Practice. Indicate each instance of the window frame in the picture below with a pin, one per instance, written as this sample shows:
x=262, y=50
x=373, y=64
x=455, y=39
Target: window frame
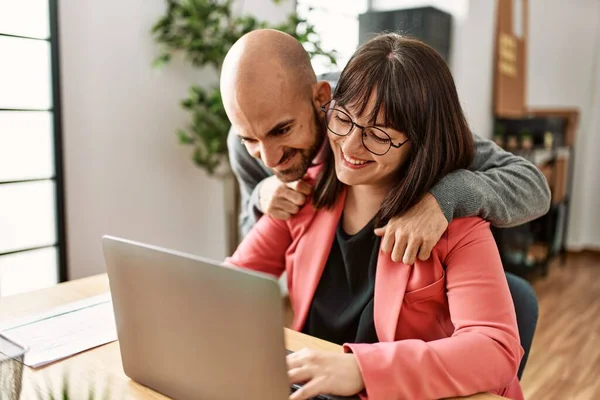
x=58, y=177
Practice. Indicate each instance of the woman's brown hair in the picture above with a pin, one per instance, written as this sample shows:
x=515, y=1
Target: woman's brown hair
x=416, y=95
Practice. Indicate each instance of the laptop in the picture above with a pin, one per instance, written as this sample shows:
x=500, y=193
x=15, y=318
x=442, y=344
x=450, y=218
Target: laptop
x=190, y=328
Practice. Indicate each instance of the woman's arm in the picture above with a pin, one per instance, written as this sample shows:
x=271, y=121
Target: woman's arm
x=264, y=247
x=483, y=353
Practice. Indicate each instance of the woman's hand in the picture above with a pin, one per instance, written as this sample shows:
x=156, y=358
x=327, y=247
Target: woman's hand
x=323, y=372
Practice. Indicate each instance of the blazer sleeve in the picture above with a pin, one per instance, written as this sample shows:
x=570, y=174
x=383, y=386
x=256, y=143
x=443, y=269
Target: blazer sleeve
x=484, y=351
x=264, y=248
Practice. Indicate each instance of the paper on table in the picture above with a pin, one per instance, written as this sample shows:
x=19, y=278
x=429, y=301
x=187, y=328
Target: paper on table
x=65, y=331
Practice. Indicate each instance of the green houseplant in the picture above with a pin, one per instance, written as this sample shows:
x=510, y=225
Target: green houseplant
x=203, y=31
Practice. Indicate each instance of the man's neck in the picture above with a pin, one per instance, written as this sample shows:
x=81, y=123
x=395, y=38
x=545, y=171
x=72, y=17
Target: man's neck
x=363, y=202
x=321, y=154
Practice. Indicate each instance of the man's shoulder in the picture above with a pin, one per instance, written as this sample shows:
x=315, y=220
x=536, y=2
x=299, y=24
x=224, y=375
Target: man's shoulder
x=466, y=230
x=466, y=224
x=460, y=232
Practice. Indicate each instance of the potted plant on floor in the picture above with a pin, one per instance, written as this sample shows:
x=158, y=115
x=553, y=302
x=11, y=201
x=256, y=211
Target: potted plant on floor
x=203, y=31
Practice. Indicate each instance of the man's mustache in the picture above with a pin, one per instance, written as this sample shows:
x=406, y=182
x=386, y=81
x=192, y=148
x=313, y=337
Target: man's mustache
x=287, y=155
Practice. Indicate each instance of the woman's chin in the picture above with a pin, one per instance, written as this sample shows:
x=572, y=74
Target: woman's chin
x=349, y=178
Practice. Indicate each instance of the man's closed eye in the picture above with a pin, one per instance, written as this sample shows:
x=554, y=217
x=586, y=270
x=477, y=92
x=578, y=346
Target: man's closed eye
x=282, y=131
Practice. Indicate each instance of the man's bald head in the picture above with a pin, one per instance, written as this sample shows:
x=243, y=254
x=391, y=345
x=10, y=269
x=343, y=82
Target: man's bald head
x=272, y=98
x=267, y=58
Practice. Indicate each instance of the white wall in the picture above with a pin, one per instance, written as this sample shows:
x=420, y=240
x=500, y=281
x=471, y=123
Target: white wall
x=472, y=62
x=471, y=53
x=588, y=186
x=125, y=173
x=564, y=71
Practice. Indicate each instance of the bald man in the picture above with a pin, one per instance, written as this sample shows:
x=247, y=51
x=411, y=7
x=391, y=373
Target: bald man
x=272, y=98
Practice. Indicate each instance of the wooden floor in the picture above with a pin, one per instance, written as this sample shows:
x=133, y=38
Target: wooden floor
x=565, y=356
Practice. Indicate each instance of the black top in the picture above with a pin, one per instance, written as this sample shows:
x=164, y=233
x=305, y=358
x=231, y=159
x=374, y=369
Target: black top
x=342, y=307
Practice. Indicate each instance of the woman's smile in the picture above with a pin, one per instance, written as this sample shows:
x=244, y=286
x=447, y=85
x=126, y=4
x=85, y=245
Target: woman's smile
x=353, y=162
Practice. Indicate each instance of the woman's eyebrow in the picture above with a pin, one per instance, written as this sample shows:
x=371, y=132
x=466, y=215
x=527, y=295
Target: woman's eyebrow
x=378, y=125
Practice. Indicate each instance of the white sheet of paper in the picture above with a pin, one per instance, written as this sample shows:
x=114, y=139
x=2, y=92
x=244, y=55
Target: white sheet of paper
x=65, y=331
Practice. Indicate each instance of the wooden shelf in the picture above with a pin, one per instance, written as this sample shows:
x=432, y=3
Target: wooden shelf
x=570, y=114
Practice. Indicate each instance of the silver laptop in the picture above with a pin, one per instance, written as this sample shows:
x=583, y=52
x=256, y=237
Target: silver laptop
x=190, y=328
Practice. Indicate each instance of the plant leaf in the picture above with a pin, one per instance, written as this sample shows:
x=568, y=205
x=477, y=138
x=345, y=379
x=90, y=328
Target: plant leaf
x=161, y=61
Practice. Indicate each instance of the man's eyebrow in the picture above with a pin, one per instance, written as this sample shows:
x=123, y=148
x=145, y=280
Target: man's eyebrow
x=241, y=137
x=273, y=131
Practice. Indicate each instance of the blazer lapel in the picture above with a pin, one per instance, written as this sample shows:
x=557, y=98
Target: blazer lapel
x=311, y=258
x=391, y=280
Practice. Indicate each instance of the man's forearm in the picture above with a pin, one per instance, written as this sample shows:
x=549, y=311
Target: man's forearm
x=250, y=211
x=249, y=174
x=505, y=189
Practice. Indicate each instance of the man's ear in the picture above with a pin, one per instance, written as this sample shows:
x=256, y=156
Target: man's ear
x=321, y=93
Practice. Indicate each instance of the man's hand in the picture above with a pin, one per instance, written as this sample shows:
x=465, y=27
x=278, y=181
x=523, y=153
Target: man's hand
x=324, y=372
x=282, y=200
x=414, y=233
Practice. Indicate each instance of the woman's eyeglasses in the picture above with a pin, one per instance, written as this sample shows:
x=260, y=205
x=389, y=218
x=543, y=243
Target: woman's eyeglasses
x=375, y=139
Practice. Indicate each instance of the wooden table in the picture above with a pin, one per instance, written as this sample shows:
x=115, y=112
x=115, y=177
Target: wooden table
x=101, y=368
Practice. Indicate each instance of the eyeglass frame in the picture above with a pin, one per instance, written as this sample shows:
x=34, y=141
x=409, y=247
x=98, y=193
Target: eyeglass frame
x=362, y=129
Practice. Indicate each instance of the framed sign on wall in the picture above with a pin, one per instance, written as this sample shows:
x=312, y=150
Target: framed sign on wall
x=510, y=58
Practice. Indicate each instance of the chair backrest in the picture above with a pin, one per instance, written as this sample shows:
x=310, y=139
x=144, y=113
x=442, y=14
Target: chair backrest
x=526, y=308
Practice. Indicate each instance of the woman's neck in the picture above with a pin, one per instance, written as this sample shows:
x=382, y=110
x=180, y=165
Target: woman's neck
x=363, y=202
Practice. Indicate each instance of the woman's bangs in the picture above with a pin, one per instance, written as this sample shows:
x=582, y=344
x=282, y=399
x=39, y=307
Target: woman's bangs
x=356, y=85
x=360, y=81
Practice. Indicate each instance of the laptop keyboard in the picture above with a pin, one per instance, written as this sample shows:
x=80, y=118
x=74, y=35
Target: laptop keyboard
x=319, y=397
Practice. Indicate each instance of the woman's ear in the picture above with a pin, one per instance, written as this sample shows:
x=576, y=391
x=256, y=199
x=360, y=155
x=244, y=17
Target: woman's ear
x=321, y=93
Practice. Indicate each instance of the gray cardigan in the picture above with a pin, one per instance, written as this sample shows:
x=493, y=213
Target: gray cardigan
x=500, y=187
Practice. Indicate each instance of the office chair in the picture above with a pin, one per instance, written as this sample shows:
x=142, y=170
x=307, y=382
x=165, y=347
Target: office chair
x=526, y=308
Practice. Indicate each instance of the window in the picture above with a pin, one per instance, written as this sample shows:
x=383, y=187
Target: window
x=336, y=22
x=32, y=235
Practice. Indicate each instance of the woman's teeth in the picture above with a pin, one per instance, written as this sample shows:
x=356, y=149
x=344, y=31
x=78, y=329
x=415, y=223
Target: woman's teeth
x=353, y=160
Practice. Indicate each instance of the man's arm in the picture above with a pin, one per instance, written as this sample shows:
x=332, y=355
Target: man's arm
x=500, y=187
x=249, y=173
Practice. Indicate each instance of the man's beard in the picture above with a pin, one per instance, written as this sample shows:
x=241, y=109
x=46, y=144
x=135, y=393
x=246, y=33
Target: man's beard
x=307, y=156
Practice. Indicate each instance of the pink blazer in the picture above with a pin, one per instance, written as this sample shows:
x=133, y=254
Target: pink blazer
x=446, y=326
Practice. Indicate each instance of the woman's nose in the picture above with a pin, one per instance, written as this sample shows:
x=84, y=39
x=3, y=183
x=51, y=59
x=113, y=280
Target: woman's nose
x=353, y=141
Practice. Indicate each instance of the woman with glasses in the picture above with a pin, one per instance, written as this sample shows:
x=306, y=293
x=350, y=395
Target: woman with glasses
x=440, y=328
